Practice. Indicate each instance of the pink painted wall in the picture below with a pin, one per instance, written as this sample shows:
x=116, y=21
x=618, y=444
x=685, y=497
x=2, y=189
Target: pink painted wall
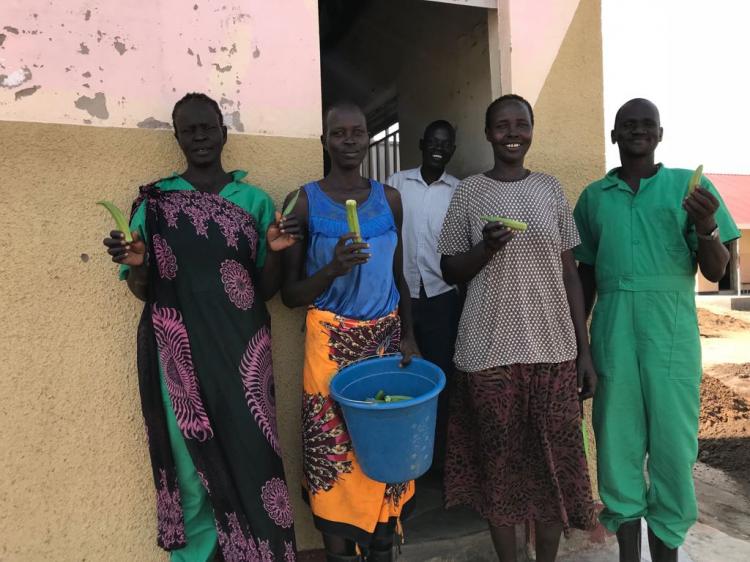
x=124, y=64
x=537, y=30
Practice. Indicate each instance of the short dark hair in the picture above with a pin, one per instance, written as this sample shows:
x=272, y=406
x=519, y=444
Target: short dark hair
x=440, y=124
x=504, y=99
x=340, y=104
x=636, y=101
x=197, y=96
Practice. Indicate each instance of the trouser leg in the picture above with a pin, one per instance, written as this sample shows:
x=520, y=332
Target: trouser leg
x=673, y=448
x=620, y=428
x=619, y=414
x=671, y=367
x=435, y=326
x=339, y=549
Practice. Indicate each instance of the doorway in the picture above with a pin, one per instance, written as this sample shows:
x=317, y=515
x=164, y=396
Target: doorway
x=411, y=62
x=408, y=63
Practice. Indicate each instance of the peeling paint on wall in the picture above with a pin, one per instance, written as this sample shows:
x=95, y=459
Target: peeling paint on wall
x=234, y=121
x=10, y=29
x=26, y=92
x=120, y=46
x=151, y=123
x=15, y=78
x=96, y=106
x=143, y=53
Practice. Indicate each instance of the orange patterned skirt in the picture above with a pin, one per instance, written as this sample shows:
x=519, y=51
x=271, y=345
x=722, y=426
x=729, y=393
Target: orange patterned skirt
x=344, y=501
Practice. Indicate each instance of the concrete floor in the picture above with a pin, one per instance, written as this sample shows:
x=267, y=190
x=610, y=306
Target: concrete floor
x=458, y=535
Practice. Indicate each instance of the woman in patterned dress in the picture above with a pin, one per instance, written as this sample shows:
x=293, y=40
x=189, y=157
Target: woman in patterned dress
x=359, y=307
x=205, y=257
x=515, y=448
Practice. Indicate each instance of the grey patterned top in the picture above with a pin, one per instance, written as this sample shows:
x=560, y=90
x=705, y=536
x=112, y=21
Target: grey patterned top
x=516, y=307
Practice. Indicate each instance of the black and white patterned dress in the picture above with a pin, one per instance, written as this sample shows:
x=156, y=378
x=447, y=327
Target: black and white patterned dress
x=515, y=451
x=516, y=307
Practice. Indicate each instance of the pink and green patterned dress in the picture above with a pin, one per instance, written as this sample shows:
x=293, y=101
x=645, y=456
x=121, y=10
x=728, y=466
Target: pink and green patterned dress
x=205, y=374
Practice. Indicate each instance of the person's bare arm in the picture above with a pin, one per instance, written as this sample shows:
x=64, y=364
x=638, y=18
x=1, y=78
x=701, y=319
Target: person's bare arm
x=297, y=288
x=573, y=289
x=132, y=254
x=713, y=257
x=409, y=346
x=462, y=268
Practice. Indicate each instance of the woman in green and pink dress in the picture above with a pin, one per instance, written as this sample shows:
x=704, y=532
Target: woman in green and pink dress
x=205, y=257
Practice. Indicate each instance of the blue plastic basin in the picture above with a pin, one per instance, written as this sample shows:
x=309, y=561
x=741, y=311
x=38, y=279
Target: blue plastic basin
x=393, y=441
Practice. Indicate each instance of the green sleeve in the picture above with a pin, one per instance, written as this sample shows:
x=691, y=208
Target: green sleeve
x=263, y=209
x=728, y=230
x=586, y=251
x=137, y=223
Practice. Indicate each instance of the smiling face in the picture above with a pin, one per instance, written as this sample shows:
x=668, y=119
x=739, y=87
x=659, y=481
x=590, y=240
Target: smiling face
x=199, y=132
x=510, y=131
x=345, y=137
x=437, y=146
x=637, y=129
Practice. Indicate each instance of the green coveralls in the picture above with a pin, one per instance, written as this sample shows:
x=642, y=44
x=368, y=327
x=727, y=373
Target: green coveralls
x=646, y=346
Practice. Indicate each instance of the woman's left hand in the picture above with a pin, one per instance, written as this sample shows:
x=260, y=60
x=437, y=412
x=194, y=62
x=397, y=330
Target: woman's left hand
x=409, y=349
x=283, y=233
x=587, y=376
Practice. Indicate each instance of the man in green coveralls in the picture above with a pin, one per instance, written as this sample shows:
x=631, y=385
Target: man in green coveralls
x=642, y=238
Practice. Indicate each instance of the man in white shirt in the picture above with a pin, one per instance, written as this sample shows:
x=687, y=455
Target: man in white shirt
x=425, y=194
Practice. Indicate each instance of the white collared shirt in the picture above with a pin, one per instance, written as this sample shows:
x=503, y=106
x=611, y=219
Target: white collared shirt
x=424, y=211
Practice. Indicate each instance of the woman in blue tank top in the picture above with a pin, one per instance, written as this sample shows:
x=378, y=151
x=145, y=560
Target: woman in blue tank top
x=359, y=306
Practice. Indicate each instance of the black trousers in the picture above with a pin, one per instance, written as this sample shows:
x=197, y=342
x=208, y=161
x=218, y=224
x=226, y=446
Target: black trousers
x=435, y=326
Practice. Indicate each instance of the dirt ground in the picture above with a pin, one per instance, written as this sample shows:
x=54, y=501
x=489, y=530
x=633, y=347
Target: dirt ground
x=724, y=435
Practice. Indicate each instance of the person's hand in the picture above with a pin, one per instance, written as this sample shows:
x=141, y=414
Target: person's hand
x=348, y=254
x=587, y=376
x=409, y=349
x=701, y=206
x=126, y=253
x=496, y=235
x=283, y=233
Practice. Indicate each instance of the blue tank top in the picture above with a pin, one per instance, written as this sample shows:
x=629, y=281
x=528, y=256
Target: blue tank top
x=368, y=291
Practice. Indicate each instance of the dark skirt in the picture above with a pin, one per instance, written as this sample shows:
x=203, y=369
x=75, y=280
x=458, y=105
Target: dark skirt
x=515, y=447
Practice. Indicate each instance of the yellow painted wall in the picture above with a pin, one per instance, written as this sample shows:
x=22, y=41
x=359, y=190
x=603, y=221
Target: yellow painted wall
x=569, y=120
x=569, y=112
x=75, y=481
